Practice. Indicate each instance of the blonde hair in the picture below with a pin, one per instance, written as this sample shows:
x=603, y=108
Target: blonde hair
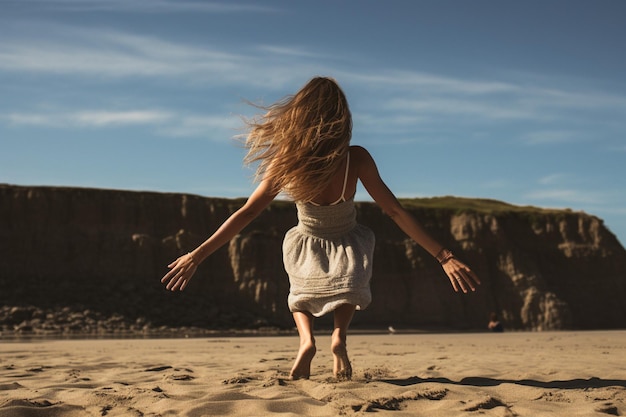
x=301, y=140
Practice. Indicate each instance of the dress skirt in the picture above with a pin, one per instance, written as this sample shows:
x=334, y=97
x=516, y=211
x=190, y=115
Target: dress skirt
x=328, y=258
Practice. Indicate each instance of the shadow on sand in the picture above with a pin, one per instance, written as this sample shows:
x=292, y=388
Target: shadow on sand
x=490, y=382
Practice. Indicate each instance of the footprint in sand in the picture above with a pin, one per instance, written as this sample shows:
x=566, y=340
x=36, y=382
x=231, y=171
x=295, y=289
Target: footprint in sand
x=487, y=404
x=174, y=377
x=74, y=376
x=608, y=408
x=18, y=407
x=377, y=373
x=237, y=380
x=26, y=404
x=181, y=377
x=11, y=386
x=158, y=368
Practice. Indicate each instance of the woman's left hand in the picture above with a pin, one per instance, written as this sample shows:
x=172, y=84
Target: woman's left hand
x=181, y=271
x=461, y=276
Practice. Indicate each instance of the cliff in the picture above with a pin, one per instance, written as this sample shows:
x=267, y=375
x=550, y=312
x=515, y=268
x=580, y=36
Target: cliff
x=91, y=260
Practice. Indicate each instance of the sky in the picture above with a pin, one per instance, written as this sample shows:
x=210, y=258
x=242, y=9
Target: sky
x=518, y=101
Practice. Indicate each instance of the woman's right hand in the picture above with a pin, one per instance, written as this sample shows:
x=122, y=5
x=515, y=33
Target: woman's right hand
x=181, y=271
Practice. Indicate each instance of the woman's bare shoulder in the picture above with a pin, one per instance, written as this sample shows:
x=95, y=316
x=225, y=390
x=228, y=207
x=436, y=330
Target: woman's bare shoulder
x=359, y=152
x=357, y=149
x=361, y=157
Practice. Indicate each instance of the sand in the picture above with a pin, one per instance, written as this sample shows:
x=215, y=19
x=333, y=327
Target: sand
x=480, y=374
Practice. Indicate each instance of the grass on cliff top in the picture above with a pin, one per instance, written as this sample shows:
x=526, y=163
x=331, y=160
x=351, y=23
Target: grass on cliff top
x=481, y=205
x=458, y=205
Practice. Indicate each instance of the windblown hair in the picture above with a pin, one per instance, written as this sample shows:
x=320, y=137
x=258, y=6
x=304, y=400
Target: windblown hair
x=302, y=139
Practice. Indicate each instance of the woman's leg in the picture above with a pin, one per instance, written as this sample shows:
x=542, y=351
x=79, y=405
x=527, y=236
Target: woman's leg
x=341, y=363
x=302, y=366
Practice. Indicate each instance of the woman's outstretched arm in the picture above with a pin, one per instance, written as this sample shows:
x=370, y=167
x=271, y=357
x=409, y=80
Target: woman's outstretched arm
x=183, y=268
x=461, y=276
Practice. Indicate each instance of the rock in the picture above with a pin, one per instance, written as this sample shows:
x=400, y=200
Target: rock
x=91, y=260
x=19, y=314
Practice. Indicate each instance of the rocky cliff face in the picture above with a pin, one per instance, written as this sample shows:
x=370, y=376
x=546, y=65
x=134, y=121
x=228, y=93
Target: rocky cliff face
x=102, y=253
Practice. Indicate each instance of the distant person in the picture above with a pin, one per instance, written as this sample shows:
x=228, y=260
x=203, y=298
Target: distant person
x=302, y=145
x=494, y=324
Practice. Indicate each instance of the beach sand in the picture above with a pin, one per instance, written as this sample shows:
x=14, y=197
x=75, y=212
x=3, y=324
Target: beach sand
x=482, y=374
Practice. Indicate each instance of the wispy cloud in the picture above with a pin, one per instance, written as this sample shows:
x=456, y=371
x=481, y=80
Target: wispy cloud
x=432, y=82
x=201, y=126
x=116, y=54
x=112, y=53
x=565, y=196
x=459, y=107
x=109, y=53
x=547, y=137
x=96, y=118
x=568, y=188
x=143, y=6
x=289, y=51
x=113, y=118
x=552, y=179
x=499, y=183
x=420, y=100
x=22, y=119
x=166, y=123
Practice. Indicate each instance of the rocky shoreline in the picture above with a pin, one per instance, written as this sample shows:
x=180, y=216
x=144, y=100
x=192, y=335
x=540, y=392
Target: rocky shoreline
x=31, y=321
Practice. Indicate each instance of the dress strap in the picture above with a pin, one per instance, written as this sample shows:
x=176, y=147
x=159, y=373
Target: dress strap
x=345, y=180
x=342, y=198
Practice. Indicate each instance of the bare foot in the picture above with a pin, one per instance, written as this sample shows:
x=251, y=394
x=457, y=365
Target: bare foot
x=302, y=366
x=341, y=363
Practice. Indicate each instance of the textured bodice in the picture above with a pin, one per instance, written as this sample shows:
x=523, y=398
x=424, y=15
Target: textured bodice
x=328, y=222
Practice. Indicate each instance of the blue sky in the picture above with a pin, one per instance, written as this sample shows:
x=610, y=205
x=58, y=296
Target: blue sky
x=519, y=101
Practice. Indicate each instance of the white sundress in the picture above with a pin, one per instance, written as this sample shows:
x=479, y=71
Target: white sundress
x=328, y=257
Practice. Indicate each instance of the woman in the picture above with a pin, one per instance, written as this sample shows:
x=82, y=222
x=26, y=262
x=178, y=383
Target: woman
x=302, y=146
